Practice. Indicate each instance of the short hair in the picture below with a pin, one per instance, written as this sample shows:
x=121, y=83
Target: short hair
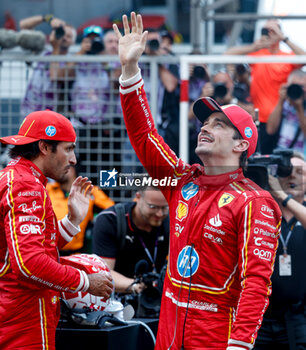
x=299, y=155
x=143, y=189
x=31, y=150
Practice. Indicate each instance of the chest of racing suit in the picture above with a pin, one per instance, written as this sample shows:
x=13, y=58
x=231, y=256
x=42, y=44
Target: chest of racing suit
x=29, y=239
x=223, y=239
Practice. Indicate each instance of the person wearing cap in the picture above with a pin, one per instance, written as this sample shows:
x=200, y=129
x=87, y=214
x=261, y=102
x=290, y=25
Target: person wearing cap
x=223, y=227
x=31, y=278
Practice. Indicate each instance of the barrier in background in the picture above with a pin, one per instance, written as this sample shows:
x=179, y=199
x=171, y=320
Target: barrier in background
x=103, y=145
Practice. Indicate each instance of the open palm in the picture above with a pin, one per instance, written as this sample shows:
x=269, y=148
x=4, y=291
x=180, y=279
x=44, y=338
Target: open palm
x=132, y=43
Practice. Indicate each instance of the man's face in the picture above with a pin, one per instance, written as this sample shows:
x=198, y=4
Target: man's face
x=153, y=207
x=216, y=137
x=111, y=43
x=57, y=164
x=295, y=184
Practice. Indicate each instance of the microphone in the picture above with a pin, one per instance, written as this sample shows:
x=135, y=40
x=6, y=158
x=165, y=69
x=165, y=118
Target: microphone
x=33, y=40
x=8, y=38
x=141, y=267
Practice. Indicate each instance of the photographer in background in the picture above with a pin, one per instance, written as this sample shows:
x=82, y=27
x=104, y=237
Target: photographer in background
x=242, y=83
x=268, y=77
x=50, y=83
x=168, y=89
x=284, y=323
x=288, y=116
x=146, y=237
x=91, y=83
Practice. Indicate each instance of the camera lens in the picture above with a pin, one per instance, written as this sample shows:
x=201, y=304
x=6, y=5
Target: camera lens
x=96, y=46
x=241, y=92
x=295, y=91
x=265, y=31
x=220, y=90
x=153, y=44
x=59, y=32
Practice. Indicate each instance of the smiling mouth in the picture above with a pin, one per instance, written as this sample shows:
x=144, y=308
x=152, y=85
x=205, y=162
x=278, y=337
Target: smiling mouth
x=205, y=139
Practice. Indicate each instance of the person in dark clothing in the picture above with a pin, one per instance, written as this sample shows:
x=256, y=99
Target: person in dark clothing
x=146, y=238
x=284, y=323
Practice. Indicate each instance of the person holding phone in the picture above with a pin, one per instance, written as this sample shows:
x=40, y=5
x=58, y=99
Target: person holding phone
x=268, y=77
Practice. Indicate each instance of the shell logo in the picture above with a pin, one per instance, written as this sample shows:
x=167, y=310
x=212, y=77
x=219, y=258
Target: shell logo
x=181, y=211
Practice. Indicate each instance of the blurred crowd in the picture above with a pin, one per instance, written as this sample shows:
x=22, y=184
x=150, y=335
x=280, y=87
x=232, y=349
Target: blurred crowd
x=87, y=92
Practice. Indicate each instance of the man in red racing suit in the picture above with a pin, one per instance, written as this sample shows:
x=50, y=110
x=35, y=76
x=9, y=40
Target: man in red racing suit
x=223, y=227
x=31, y=277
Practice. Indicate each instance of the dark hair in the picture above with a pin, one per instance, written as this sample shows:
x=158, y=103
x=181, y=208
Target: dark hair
x=31, y=150
x=244, y=155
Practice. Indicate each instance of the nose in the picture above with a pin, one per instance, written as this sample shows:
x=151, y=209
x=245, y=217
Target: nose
x=204, y=128
x=159, y=212
x=72, y=159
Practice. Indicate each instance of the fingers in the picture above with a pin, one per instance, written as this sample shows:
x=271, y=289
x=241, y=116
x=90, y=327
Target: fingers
x=126, y=27
x=139, y=24
x=144, y=38
x=117, y=31
x=83, y=185
x=134, y=22
x=100, y=285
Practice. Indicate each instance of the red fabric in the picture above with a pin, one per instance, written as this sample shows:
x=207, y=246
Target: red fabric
x=30, y=275
x=266, y=81
x=42, y=125
x=225, y=219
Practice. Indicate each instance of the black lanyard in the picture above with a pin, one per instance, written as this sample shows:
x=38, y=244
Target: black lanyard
x=286, y=241
x=153, y=260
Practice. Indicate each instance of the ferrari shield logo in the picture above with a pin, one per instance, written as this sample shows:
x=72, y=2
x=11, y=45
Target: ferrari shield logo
x=225, y=199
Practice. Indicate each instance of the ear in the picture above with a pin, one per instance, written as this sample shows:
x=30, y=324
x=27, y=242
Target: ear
x=241, y=146
x=137, y=196
x=43, y=147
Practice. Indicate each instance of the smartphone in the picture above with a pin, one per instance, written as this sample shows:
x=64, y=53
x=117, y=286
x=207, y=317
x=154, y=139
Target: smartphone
x=265, y=31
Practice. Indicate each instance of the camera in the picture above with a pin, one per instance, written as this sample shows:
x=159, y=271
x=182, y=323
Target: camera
x=265, y=31
x=153, y=45
x=295, y=91
x=259, y=165
x=199, y=72
x=220, y=90
x=97, y=46
x=59, y=32
x=241, y=92
x=147, y=303
x=149, y=299
x=241, y=69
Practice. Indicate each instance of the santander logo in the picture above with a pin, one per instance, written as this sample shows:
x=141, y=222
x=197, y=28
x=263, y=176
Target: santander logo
x=216, y=221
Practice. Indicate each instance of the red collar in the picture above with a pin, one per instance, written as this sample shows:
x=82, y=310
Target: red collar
x=31, y=167
x=219, y=180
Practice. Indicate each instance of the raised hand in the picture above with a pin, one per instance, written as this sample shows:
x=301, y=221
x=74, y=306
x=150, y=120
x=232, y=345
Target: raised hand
x=131, y=44
x=78, y=200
